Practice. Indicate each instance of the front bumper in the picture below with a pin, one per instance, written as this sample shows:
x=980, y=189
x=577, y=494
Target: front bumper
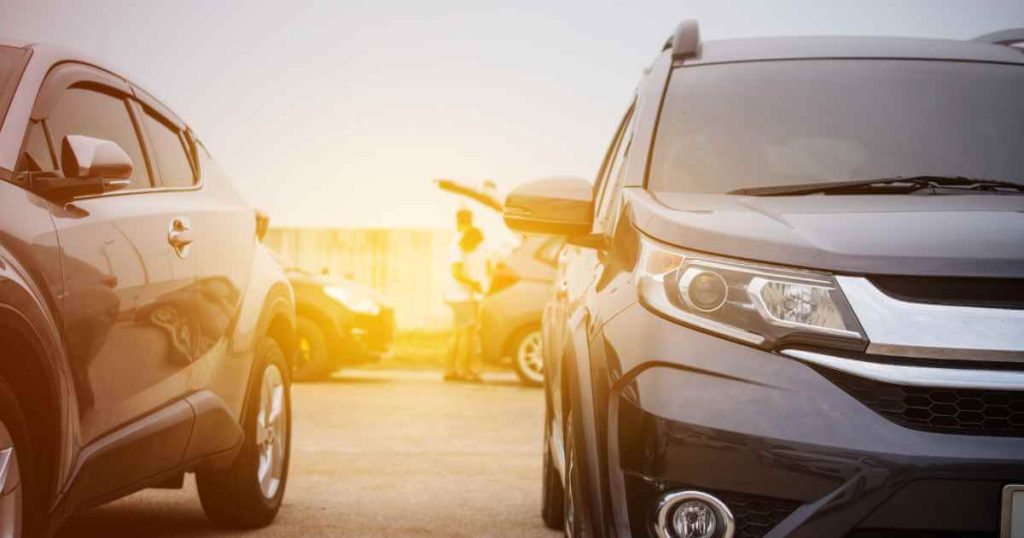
x=791, y=452
x=364, y=338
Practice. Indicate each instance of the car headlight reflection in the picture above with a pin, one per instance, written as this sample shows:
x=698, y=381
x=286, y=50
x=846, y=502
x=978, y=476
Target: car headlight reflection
x=758, y=304
x=353, y=300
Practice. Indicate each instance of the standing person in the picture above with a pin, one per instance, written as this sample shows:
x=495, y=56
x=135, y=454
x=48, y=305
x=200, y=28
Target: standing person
x=466, y=285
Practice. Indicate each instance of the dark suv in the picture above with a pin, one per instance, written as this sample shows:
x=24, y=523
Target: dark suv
x=145, y=331
x=794, y=299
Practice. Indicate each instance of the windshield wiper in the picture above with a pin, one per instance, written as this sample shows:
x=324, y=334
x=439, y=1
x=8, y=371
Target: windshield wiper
x=891, y=185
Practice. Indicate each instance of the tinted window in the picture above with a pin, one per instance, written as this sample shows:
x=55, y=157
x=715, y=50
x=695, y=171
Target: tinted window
x=12, y=62
x=171, y=157
x=95, y=114
x=36, y=155
x=764, y=124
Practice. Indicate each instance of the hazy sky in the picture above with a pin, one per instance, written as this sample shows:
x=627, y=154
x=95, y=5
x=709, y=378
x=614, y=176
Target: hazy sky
x=338, y=113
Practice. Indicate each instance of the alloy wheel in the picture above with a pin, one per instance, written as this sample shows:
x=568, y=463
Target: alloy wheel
x=11, y=491
x=530, y=357
x=271, y=432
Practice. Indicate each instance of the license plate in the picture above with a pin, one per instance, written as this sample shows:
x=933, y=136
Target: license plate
x=1013, y=512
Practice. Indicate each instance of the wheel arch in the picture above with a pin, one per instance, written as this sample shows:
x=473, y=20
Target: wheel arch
x=322, y=320
x=508, y=348
x=278, y=320
x=580, y=377
x=35, y=368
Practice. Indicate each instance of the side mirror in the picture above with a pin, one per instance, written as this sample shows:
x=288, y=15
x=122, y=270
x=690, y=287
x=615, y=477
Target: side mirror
x=88, y=157
x=91, y=166
x=553, y=206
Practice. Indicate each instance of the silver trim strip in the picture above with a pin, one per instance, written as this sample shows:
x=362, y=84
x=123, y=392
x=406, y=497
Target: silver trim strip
x=915, y=376
x=906, y=329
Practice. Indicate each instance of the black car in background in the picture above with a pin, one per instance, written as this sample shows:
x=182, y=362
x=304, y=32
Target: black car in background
x=794, y=298
x=340, y=323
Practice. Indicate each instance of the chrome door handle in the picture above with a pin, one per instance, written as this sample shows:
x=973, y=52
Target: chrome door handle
x=179, y=235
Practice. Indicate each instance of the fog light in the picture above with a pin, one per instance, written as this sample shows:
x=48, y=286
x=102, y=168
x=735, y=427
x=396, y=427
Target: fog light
x=694, y=519
x=693, y=514
x=704, y=290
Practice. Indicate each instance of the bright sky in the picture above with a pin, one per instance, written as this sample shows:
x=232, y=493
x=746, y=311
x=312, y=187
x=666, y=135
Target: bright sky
x=338, y=113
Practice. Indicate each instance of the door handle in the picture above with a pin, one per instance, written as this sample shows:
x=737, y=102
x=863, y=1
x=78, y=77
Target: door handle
x=179, y=235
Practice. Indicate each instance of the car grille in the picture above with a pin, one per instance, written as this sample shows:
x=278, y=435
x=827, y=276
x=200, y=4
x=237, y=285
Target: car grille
x=981, y=292
x=961, y=411
x=756, y=515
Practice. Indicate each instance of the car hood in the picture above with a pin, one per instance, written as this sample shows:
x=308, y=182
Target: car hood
x=927, y=235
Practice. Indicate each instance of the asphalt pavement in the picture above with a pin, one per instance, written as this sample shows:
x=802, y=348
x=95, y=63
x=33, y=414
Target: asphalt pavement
x=380, y=453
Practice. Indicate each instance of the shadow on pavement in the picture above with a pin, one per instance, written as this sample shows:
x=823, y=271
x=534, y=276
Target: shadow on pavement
x=382, y=377
x=158, y=521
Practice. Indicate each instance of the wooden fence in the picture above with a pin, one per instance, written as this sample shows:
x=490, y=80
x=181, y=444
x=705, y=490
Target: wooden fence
x=408, y=265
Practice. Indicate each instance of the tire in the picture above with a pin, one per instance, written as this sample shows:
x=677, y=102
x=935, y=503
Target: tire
x=312, y=361
x=552, y=509
x=19, y=498
x=246, y=495
x=528, y=357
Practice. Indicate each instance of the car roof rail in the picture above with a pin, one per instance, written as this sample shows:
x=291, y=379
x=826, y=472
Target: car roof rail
x=1013, y=37
x=685, y=42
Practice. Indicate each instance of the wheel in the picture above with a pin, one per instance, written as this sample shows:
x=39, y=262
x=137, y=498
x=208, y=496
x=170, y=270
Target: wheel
x=248, y=494
x=552, y=508
x=311, y=362
x=15, y=454
x=529, y=357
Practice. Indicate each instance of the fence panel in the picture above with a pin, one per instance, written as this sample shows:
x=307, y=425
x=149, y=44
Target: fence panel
x=408, y=265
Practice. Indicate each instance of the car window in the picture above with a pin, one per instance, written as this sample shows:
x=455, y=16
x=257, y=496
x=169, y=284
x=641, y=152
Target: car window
x=607, y=204
x=12, y=62
x=171, y=154
x=602, y=175
x=35, y=157
x=763, y=124
x=87, y=112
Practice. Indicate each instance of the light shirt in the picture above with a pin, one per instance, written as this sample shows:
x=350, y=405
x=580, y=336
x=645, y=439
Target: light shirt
x=474, y=266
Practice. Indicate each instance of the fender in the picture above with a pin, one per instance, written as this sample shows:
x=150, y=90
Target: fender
x=269, y=287
x=25, y=312
x=580, y=394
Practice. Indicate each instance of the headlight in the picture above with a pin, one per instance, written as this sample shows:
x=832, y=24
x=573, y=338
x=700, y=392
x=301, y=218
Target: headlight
x=761, y=305
x=353, y=300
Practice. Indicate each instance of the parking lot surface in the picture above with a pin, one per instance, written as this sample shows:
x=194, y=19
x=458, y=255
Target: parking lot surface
x=380, y=453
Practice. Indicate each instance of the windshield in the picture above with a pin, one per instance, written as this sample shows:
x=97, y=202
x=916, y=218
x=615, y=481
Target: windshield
x=12, y=62
x=743, y=125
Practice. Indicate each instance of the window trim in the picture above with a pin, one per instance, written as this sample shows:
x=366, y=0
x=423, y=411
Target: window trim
x=67, y=75
x=16, y=174
x=625, y=135
x=609, y=155
x=126, y=101
x=139, y=109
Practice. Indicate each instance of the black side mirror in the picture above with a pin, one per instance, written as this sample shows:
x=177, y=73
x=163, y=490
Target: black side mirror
x=91, y=166
x=553, y=206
